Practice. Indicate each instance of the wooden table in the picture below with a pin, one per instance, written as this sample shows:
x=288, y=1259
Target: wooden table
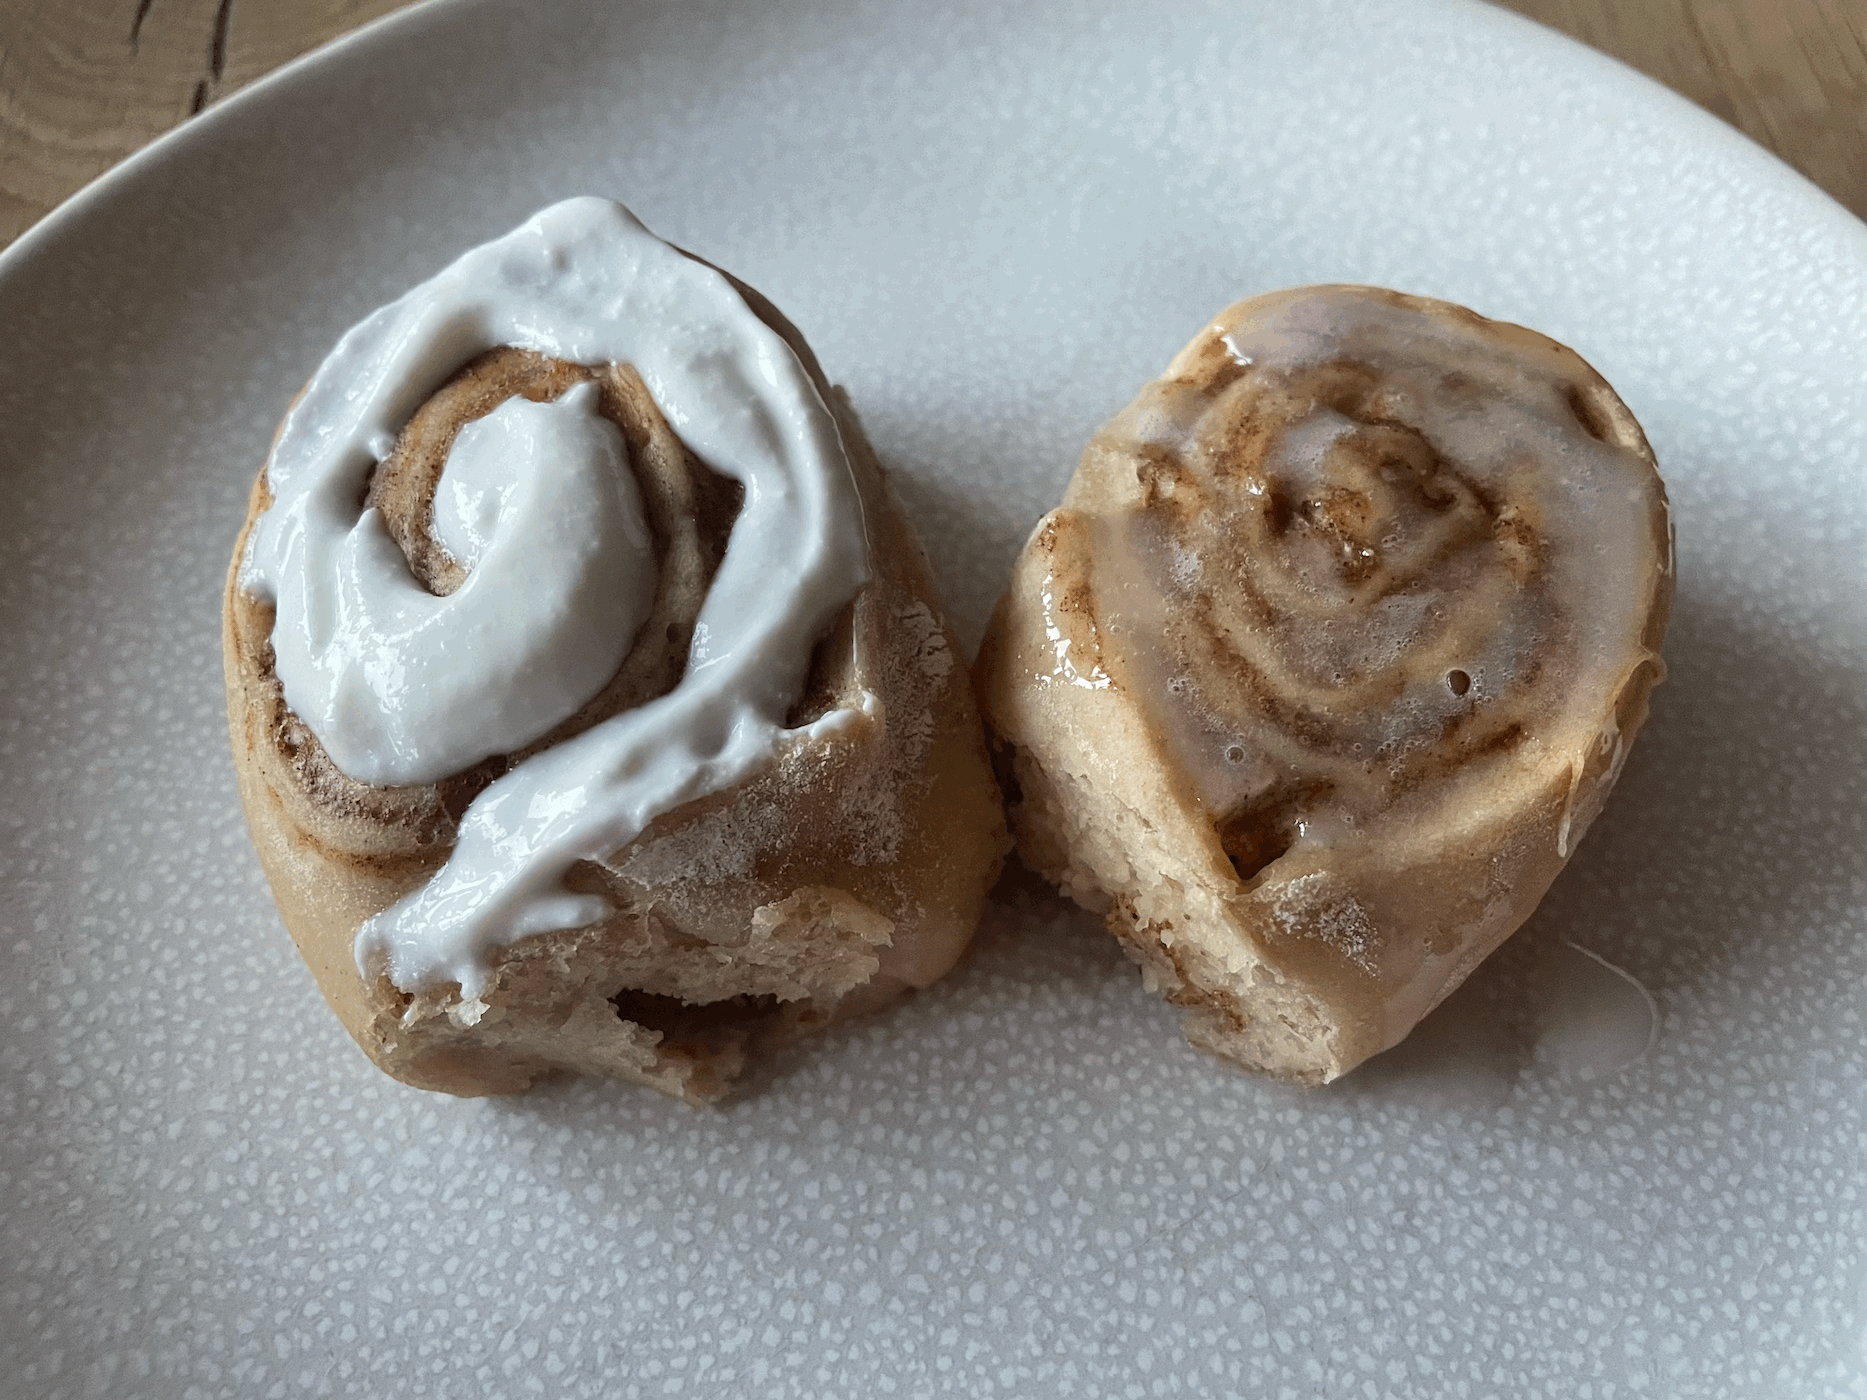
x=83, y=83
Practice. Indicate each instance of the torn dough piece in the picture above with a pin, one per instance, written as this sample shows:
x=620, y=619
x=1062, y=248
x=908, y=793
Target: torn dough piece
x=1328, y=659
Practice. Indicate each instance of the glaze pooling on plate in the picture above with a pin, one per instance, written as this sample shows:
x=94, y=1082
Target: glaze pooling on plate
x=405, y=688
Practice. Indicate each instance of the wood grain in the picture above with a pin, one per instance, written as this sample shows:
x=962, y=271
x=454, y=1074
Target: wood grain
x=1789, y=74
x=83, y=83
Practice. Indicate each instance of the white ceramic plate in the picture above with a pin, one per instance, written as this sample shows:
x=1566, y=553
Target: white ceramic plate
x=994, y=223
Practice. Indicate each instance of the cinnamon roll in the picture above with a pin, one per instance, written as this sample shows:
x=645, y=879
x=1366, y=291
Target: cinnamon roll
x=1328, y=659
x=591, y=701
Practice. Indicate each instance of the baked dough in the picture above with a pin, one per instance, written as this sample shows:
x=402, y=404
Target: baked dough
x=852, y=870
x=1328, y=659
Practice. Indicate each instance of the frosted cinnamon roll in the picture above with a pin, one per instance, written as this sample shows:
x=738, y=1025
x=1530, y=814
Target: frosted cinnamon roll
x=591, y=701
x=1328, y=659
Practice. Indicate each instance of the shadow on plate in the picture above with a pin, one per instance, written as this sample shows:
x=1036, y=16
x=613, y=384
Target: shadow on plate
x=1736, y=824
x=1735, y=832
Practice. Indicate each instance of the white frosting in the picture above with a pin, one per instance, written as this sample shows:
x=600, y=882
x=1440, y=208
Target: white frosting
x=358, y=648
x=406, y=687
x=530, y=474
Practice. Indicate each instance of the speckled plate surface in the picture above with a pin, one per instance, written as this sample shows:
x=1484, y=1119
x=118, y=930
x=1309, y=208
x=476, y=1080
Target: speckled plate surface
x=994, y=223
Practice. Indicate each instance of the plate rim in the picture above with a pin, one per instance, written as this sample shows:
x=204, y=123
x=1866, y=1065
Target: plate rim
x=41, y=239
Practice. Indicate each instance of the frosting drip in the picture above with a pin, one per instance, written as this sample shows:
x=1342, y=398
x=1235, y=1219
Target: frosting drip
x=584, y=282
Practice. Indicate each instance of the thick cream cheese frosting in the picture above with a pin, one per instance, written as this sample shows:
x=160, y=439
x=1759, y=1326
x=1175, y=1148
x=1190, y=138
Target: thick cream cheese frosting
x=403, y=687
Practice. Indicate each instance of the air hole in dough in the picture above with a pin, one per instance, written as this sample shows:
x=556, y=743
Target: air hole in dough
x=679, y=1020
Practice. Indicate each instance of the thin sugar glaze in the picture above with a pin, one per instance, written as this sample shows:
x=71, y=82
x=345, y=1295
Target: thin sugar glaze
x=1363, y=557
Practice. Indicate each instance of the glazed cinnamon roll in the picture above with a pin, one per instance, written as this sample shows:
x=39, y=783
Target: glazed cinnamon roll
x=1328, y=659
x=591, y=701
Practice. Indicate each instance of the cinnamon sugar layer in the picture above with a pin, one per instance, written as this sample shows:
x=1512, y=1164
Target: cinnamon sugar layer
x=1374, y=546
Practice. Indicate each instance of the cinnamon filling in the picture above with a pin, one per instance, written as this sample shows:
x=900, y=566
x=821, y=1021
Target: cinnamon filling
x=1359, y=550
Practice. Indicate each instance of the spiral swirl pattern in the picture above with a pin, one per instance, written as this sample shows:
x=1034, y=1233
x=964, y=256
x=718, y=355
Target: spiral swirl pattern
x=584, y=283
x=1376, y=545
x=1330, y=655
